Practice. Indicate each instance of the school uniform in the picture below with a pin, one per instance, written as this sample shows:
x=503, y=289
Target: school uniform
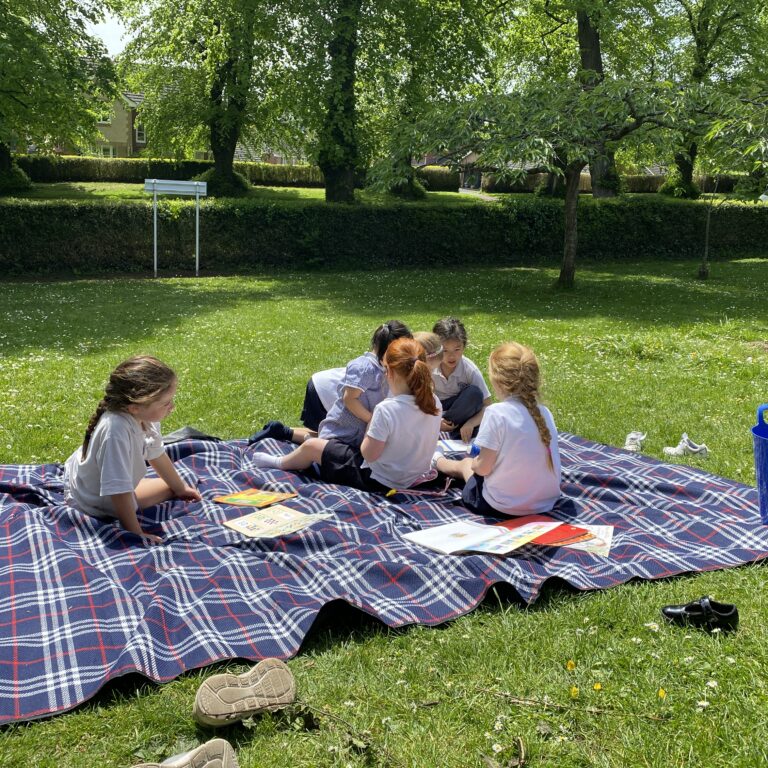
x=521, y=481
x=115, y=463
x=462, y=393
x=321, y=393
x=410, y=436
x=365, y=373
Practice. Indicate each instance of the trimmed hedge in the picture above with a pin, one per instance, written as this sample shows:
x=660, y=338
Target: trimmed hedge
x=638, y=183
x=133, y=170
x=438, y=178
x=94, y=237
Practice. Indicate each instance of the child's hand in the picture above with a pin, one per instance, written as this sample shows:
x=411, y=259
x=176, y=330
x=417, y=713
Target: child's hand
x=446, y=426
x=188, y=493
x=466, y=432
x=150, y=538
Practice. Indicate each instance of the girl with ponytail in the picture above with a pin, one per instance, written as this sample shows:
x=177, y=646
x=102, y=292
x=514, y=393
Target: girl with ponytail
x=517, y=471
x=401, y=437
x=105, y=476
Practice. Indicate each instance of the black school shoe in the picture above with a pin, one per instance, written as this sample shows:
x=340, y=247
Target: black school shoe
x=703, y=613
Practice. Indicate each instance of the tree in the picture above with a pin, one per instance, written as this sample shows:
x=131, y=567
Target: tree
x=53, y=75
x=210, y=71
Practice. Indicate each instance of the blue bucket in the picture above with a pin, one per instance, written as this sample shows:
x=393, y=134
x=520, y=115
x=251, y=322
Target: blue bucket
x=760, y=436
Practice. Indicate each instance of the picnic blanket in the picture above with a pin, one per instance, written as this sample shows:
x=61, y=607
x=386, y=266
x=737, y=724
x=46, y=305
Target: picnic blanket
x=83, y=601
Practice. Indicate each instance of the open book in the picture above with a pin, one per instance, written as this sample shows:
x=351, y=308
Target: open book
x=275, y=521
x=502, y=538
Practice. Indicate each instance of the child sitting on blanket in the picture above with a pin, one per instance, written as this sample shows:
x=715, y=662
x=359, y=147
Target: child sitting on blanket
x=105, y=477
x=433, y=347
x=517, y=471
x=458, y=382
x=400, y=439
x=358, y=388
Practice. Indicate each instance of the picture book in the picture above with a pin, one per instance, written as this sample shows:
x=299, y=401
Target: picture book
x=596, y=539
x=254, y=497
x=465, y=536
x=453, y=449
x=277, y=520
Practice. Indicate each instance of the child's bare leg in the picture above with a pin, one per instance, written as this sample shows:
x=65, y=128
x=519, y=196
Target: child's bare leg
x=151, y=491
x=300, y=458
x=301, y=434
x=461, y=470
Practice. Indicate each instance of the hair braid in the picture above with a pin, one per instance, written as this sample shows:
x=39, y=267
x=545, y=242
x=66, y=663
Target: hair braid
x=529, y=400
x=101, y=408
x=407, y=359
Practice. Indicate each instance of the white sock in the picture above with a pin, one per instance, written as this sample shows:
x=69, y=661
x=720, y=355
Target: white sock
x=266, y=460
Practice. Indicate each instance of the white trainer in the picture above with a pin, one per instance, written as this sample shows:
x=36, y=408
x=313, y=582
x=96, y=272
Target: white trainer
x=634, y=441
x=216, y=753
x=686, y=447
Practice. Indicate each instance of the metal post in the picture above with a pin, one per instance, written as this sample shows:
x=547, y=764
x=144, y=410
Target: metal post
x=154, y=207
x=197, y=229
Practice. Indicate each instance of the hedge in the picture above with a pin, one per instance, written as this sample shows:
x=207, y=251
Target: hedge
x=438, y=178
x=637, y=183
x=94, y=237
x=133, y=170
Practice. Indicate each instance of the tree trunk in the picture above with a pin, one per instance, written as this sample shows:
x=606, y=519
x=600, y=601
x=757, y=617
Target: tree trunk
x=6, y=160
x=338, y=153
x=686, y=161
x=570, y=244
x=602, y=169
x=605, y=177
x=223, y=142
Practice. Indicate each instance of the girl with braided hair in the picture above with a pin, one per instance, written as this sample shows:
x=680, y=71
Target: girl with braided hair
x=400, y=438
x=517, y=471
x=105, y=476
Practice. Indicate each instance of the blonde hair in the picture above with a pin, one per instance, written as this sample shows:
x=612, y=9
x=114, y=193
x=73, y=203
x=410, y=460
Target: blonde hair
x=433, y=347
x=514, y=371
x=136, y=381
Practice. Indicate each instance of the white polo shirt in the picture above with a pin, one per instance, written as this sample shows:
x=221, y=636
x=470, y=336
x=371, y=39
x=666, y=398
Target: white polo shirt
x=115, y=462
x=521, y=480
x=326, y=385
x=411, y=438
x=464, y=374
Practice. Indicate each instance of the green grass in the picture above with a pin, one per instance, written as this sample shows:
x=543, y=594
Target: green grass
x=634, y=347
x=91, y=190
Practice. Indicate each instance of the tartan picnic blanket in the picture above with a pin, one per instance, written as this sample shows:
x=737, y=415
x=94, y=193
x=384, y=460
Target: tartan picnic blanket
x=83, y=601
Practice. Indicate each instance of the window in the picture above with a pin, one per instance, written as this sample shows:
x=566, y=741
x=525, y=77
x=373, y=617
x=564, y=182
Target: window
x=107, y=150
x=105, y=116
x=141, y=134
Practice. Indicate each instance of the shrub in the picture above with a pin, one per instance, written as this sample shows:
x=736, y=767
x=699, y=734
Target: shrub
x=133, y=170
x=14, y=180
x=674, y=186
x=491, y=182
x=96, y=236
x=438, y=178
x=224, y=186
x=643, y=183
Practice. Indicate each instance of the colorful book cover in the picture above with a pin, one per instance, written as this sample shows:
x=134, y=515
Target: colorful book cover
x=254, y=497
x=596, y=539
x=278, y=520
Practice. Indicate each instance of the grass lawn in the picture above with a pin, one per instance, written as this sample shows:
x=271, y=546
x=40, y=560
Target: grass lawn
x=92, y=190
x=578, y=679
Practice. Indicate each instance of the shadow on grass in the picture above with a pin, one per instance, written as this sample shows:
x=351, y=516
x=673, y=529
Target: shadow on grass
x=59, y=315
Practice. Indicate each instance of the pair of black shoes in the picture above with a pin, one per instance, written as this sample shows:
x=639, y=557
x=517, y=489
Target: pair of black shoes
x=274, y=429
x=703, y=613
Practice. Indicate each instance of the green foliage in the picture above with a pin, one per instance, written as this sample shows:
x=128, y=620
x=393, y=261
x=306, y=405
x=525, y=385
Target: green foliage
x=256, y=234
x=674, y=186
x=13, y=180
x=52, y=168
x=491, y=182
x=53, y=73
x=438, y=178
x=224, y=185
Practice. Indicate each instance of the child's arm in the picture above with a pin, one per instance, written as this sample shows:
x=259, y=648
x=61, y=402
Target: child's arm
x=351, y=400
x=125, y=509
x=167, y=472
x=372, y=449
x=468, y=427
x=484, y=462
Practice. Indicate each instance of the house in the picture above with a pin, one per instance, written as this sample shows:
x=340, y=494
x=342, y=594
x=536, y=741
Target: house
x=123, y=134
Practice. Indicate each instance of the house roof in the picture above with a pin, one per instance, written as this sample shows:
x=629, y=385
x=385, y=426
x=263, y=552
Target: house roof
x=133, y=99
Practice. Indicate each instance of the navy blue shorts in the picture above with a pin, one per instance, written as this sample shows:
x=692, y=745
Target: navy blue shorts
x=472, y=496
x=313, y=411
x=343, y=464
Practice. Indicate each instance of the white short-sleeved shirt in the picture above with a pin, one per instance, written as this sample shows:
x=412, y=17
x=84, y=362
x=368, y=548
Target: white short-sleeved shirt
x=326, y=385
x=465, y=373
x=521, y=480
x=365, y=373
x=411, y=438
x=115, y=462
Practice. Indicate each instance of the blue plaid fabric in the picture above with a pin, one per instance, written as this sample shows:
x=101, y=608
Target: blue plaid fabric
x=83, y=601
